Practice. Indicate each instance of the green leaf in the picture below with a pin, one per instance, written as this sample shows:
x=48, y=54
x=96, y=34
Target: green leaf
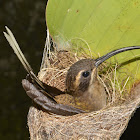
x=100, y=25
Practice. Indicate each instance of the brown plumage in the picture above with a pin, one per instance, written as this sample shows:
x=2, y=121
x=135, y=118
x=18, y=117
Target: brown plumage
x=82, y=83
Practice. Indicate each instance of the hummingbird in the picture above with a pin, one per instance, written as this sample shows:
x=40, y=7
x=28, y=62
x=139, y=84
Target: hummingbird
x=84, y=91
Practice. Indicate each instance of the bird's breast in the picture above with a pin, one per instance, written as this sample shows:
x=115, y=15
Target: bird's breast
x=91, y=100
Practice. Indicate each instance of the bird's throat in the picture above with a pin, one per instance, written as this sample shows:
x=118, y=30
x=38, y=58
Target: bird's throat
x=93, y=99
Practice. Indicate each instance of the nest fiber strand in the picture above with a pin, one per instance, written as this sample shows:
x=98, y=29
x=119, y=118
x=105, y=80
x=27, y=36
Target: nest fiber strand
x=106, y=124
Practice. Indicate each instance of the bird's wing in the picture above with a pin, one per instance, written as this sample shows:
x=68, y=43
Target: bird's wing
x=46, y=103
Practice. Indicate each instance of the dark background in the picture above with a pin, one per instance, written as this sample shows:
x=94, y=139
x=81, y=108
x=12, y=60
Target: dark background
x=26, y=19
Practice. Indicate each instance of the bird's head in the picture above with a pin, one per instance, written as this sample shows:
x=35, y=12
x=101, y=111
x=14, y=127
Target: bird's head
x=80, y=75
x=83, y=73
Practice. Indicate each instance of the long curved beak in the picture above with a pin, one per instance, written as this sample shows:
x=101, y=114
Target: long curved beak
x=101, y=59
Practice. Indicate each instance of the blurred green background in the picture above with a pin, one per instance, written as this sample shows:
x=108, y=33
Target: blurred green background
x=26, y=19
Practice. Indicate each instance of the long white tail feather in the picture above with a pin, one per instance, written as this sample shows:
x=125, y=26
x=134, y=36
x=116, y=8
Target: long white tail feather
x=13, y=43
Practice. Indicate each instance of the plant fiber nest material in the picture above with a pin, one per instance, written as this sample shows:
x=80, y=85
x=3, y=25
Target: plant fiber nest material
x=108, y=123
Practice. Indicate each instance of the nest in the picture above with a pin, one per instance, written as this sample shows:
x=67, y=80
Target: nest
x=108, y=123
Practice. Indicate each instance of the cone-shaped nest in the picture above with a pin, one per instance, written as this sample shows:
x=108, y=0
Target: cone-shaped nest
x=108, y=123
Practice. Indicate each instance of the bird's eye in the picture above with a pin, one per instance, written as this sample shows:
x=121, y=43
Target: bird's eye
x=85, y=74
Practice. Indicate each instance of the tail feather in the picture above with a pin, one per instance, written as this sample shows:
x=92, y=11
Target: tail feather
x=13, y=43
